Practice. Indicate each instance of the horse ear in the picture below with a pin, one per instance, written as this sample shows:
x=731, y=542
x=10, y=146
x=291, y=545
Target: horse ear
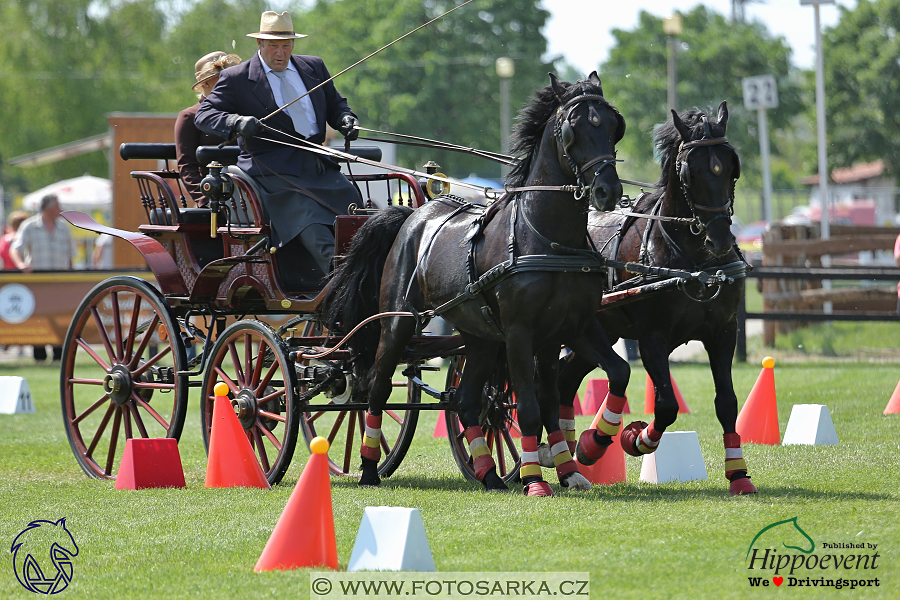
x=595, y=81
x=723, y=115
x=558, y=89
x=682, y=129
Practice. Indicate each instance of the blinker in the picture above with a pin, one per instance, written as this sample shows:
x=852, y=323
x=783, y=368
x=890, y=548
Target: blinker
x=593, y=116
x=715, y=165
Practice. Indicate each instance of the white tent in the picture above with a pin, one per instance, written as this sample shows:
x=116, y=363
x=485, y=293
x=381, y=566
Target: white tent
x=81, y=193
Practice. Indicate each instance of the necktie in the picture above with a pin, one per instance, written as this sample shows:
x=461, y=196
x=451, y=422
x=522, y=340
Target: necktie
x=296, y=112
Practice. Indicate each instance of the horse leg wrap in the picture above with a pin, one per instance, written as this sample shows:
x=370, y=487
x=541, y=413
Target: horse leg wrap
x=593, y=443
x=562, y=457
x=735, y=467
x=639, y=438
x=567, y=426
x=530, y=471
x=479, y=451
x=611, y=414
x=371, y=444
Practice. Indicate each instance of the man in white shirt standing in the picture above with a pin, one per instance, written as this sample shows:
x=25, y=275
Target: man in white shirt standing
x=44, y=243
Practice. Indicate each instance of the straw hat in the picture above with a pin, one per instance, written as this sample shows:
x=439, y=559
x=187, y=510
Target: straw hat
x=211, y=65
x=273, y=26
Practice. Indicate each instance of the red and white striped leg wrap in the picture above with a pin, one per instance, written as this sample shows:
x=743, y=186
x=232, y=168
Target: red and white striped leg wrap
x=530, y=471
x=531, y=465
x=736, y=468
x=371, y=444
x=562, y=457
x=734, y=455
x=611, y=414
x=479, y=451
x=567, y=426
x=648, y=440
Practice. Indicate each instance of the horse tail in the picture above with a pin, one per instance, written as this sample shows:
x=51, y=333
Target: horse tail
x=352, y=294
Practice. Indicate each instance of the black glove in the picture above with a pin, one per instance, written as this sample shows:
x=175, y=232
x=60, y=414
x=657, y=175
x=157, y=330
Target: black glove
x=244, y=126
x=349, y=123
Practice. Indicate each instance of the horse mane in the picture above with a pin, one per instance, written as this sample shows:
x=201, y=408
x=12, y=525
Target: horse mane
x=667, y=141
x=533, y=118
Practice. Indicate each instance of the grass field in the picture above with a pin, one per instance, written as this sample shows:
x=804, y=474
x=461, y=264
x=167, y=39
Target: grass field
x=637, y=540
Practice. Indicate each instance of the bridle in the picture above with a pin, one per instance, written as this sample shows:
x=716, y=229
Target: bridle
x=565, y=137
x=715, y=166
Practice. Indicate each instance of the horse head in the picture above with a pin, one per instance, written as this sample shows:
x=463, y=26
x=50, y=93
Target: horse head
x=38, y=546
x=707, y=167
x=587, y=129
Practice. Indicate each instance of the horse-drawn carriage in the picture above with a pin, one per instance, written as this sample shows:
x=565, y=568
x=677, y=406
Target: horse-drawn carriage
x=229, y=309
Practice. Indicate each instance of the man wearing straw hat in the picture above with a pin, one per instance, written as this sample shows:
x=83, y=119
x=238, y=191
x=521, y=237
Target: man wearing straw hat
x=187, y=137
x=302, y=192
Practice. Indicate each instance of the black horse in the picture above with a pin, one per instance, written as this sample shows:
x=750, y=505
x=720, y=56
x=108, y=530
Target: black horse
x=694, y=201
x=519, y=274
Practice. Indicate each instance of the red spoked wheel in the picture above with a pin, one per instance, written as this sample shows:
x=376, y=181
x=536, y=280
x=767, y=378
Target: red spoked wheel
x=119, y=377
x=344, y=428
x=252, y=361
x=499, y=426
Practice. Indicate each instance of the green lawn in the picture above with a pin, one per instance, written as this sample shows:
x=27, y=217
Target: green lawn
x=637, y=540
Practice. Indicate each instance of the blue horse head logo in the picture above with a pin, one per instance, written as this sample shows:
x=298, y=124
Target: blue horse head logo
x=38, y=546
x=787, y=531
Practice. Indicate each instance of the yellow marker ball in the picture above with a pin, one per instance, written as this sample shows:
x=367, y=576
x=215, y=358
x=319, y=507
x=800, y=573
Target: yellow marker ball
x=318, y=445
x=768, y=362
x=221, y=389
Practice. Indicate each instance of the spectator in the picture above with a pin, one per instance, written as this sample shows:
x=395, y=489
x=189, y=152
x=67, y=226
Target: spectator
x=44, y=242
x=897, y=262
x=9, y=234
x=101, y=257
x=187, y=137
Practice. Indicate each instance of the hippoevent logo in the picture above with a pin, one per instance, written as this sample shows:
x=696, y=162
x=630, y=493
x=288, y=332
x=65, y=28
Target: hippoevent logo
x=42, y=556
x=782, y=553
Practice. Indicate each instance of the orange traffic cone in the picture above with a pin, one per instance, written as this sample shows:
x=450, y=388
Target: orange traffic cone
x=440, y=428
x=650, y=397
x=577, y=406
x=611, y=467
x=304, y=535
x=594, y=396
x=893, y=405
x=231, y=461
x=758, y=420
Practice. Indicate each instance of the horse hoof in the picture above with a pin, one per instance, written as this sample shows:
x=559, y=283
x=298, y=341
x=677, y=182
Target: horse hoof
x=742, y=486
x=576, y=481
x=369, y=477
x=544, y=457
x=492, y=482
x=629, y=437
x=589, y=450
x=537, y=488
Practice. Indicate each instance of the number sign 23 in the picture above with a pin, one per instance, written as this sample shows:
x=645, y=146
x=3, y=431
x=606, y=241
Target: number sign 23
x=760, y=92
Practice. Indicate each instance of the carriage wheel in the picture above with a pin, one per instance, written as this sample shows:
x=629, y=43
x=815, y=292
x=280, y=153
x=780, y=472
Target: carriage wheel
x=497, y=422
x=119, y=375
x=252, y=361
x=344, y=429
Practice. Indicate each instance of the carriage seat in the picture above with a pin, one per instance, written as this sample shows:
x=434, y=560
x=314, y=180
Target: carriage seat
x=189, y=216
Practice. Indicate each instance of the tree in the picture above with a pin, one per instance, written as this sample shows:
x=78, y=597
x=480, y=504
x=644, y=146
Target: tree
x=714, y=55
x=439, y=83
x=862, y=85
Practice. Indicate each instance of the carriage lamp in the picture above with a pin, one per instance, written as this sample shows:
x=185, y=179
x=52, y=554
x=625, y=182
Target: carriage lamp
x=433, y=187
x=217, y=188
